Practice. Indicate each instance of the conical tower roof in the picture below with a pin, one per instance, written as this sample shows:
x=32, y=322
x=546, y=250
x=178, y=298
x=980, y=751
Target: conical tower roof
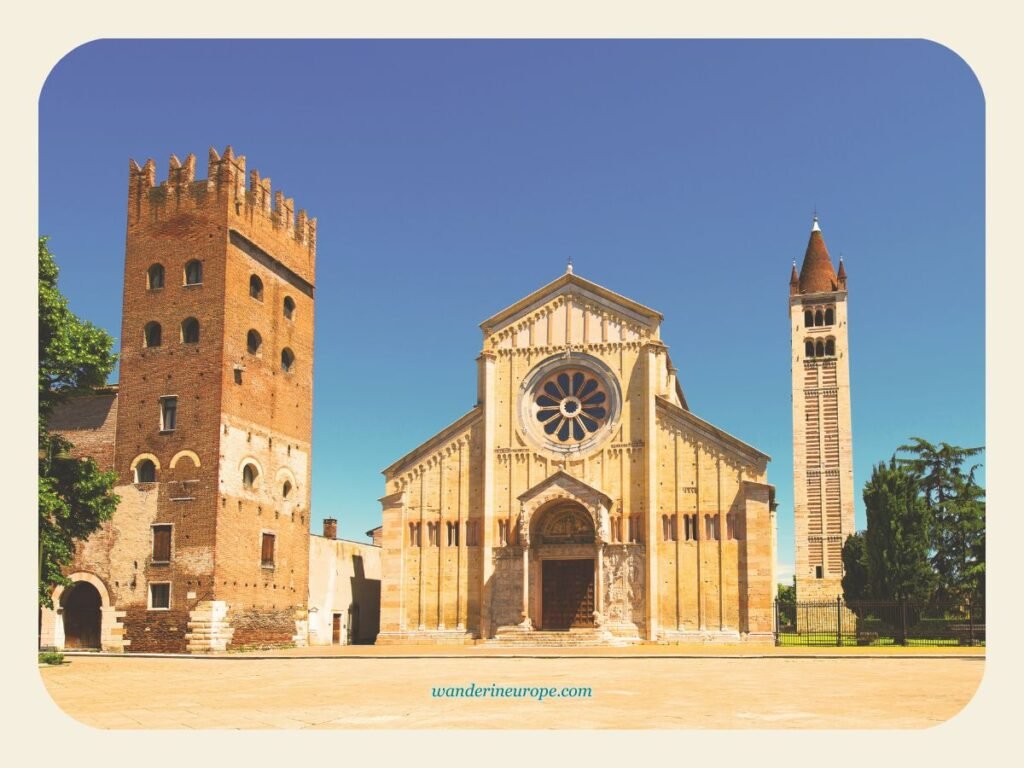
x=816, y=273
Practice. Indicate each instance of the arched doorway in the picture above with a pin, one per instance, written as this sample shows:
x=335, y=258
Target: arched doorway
x=80, y=604
x=564, y=543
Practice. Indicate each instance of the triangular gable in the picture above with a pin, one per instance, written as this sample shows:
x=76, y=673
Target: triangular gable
x=571, y=284
x=567, y=482
x=709, y=430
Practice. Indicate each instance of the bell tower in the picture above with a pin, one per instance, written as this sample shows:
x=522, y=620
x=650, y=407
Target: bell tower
x=822, y=438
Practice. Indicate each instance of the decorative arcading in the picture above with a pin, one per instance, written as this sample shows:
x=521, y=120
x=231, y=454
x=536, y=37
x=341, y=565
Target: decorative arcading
x=225, y=182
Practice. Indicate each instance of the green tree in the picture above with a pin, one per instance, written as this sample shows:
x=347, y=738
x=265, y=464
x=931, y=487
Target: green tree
x=75, y=497
x=786, y=595
x=855, y=567
x=896, y=541
x=956, y=504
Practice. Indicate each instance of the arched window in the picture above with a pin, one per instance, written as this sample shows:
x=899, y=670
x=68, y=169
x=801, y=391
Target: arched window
x=286, y=489
x=808, y=348
x=145, y=472
x=155, y=277
x=287, y=360
x=249, y=475
x=289, y=307
x=808, y=318
x=190, y=331
x=830, y=316
x=194, y=272
x=830, y=347
x=151, y=335
x=253, y=342
x=256, y=288
x=819, y=349
x=819, y=318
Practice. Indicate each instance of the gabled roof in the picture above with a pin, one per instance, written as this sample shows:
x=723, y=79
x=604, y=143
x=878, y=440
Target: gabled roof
x=570, y=283
x=749, y=452
x=561, y=477
x=424, y=449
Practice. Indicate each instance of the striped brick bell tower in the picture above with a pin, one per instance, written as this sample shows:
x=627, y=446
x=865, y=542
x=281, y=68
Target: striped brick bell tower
x=822, y=438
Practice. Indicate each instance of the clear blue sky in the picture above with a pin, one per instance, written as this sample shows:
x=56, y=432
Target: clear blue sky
x=451, y=178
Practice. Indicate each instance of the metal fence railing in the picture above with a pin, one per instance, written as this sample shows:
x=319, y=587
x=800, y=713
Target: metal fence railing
x=879, y=622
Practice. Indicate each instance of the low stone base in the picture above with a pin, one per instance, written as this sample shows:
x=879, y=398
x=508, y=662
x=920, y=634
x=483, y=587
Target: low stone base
x=699, y=637
x=426, y=637
x=208, y=627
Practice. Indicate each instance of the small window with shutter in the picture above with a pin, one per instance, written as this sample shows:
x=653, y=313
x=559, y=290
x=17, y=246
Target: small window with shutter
x=267, y=553
x=161, y=543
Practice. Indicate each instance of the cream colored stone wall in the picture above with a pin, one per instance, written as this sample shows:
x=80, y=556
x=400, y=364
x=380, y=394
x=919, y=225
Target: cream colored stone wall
x=823, y=490
x=343, y=574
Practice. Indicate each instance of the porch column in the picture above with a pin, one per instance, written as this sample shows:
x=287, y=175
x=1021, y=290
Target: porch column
x=526, y=623
x=599, y=586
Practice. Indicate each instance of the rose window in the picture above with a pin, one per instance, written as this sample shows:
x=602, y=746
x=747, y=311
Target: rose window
x=571, y=405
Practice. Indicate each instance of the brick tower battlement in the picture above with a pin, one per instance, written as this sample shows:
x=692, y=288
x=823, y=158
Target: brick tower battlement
x=269, y=220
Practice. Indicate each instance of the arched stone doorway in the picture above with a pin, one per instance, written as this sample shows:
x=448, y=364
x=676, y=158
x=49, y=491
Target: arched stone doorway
x=81, y=605
x=564, y=559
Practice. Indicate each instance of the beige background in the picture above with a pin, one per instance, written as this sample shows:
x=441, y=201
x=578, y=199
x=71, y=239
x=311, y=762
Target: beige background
x=983, y=33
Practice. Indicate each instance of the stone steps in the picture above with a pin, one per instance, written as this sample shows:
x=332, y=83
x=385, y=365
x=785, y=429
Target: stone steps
x=573, y=638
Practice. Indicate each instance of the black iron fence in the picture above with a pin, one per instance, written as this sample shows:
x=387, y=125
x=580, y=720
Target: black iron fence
x=879, y=622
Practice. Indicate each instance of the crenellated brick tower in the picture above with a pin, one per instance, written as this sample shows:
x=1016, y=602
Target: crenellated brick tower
x=214, y=413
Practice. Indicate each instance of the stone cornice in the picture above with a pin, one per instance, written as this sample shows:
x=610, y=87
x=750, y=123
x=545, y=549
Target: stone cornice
x=745, y=451
x=574, y=285
x=424, y=449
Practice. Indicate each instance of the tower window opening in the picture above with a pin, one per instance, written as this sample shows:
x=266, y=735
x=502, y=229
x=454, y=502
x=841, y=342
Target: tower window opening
x=289, y=307
x=808, y=348
x=287, y=360
x=286, y=489
x=253, y=342
x=830, y=316
x=819, y=318
x=145, y=471
x=168, y=414
x=151, y=335
x=256, y=288
x=249, y=476
x=155, y=277
x=819, y=348
x=190, y=331
x=818, y=572
x=808, y=318
x=194, y=272
x=830, y=347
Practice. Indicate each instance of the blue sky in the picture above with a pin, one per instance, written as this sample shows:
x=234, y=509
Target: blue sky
x=451, y=178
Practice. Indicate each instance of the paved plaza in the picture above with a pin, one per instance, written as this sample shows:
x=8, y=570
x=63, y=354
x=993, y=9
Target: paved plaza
x=630, y=688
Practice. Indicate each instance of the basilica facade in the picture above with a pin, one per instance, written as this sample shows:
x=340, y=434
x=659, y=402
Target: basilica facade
x=580, y=498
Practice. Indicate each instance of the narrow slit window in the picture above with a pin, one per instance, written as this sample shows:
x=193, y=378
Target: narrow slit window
x=168, y=414
x=289, y=308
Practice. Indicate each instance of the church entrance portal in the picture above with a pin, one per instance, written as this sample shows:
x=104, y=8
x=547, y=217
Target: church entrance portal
x=81, y=607
x=567, y=594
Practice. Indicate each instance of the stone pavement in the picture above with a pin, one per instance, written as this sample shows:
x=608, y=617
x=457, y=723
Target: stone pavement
x=646, y=687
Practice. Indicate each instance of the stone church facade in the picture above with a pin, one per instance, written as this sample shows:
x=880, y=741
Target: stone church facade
x=580, y=496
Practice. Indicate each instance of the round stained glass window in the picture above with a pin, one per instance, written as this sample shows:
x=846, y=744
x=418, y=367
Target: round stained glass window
x=569, y=405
